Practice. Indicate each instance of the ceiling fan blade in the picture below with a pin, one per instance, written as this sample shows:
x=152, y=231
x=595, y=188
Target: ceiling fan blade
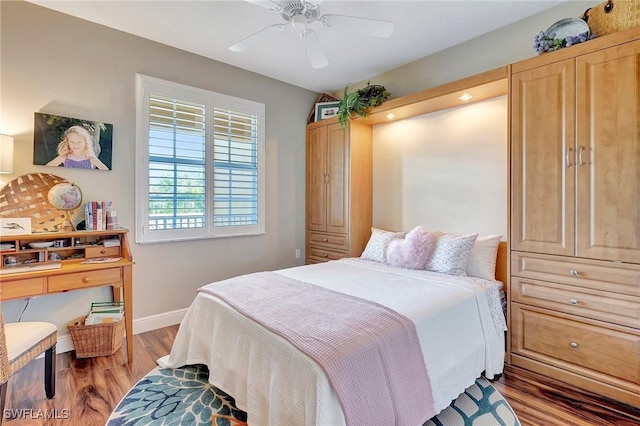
x=267, y=4
x=255, y=38
x=372, y=27
x=313, y=49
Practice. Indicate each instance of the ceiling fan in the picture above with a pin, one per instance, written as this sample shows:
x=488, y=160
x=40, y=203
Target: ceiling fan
x=300, y=14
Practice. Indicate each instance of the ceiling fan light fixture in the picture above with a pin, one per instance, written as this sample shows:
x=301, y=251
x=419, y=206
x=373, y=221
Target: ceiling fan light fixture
x=299, y=22
x=302, y=14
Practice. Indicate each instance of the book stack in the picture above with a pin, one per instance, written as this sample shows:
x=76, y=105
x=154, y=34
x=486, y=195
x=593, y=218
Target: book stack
x=104, y=312
x=100, y=216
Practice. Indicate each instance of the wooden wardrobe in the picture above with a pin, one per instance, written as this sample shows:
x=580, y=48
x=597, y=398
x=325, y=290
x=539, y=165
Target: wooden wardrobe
x=575, y=215
x=339, y=189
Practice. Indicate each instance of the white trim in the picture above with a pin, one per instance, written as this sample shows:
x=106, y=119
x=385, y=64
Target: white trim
x=140, y=325
x=154, y=322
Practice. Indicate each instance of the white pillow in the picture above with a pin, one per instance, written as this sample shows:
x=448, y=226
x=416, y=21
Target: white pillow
x=378, y=243
x=413, y=251
x=451, y=254
x=482, y=260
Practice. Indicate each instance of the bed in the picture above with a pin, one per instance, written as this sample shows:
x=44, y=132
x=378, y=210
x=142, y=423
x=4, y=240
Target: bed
x=458, y=322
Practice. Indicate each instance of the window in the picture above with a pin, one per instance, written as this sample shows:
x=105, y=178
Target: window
x=201, y=163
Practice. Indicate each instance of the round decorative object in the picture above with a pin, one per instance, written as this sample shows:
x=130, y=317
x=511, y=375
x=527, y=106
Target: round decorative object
x=27, y=196
x=65, y=196
x=568, y=27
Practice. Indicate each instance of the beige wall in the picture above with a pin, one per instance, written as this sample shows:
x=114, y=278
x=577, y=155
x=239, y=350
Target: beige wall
x=54, y=63
x=446, y=171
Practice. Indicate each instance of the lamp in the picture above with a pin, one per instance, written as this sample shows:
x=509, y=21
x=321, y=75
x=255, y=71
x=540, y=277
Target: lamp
x=6, y=154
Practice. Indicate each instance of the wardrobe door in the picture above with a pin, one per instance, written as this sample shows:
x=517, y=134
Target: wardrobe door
x=338, y=179
x=543, y=159
x=317, y=179
x=608, y=143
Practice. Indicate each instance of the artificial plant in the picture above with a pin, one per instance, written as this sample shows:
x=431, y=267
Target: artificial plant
x=360, y=102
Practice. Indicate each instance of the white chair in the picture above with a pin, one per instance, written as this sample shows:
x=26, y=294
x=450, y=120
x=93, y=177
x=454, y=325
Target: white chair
x=21, y=343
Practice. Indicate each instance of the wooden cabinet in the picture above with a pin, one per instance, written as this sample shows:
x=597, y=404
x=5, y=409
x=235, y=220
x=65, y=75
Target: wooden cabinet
x=575, y=217
x=575, y=154
x=338, y=189
x=57, y=262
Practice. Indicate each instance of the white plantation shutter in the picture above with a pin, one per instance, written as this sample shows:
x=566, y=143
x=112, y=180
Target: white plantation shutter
x=177, y=143
x=235, y=165
x=202, y=154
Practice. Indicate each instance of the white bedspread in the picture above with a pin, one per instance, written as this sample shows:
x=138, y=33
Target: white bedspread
x=278, y=385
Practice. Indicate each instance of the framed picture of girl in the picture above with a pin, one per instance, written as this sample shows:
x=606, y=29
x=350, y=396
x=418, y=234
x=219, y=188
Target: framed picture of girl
x=72, y=142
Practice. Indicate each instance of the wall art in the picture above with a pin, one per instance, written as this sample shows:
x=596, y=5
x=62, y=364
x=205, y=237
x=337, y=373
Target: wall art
x=72, y=142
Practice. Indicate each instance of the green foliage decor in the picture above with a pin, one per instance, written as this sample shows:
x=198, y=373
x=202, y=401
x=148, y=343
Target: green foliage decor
x=360, y=102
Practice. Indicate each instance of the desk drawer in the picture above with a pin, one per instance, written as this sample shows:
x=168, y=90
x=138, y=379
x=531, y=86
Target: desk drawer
x=21, y=288
x=610, y=307
x=583, y=346
x=83, y=279
x=614, y=277
x=101, y=251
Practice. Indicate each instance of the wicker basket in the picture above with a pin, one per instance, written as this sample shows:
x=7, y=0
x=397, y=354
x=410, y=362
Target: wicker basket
x=612, y=16
x=96, y=339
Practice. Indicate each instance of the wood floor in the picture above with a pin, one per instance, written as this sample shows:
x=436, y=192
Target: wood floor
x=88, y=389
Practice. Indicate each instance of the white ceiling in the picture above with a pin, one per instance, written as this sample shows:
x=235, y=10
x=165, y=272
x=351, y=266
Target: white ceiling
x=209, y=27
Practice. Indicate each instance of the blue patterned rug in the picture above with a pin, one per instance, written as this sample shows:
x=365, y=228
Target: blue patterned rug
x=184, y=396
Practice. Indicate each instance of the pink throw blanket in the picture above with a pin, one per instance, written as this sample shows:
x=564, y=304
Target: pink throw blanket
x=370, y=353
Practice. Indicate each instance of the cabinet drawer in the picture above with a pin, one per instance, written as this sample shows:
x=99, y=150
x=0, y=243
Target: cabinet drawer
x=322, y=255
x=610, y=307
x=21, y=288
x=331, y=241
x=83, y=279
x=613, y=277
x=585, y=347
x=101, y=251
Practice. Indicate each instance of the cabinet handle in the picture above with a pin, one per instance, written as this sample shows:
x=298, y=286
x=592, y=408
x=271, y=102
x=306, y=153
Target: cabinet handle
x=573, y=301
x=325, y=240
x=567, y=157
x=580, y=159
x=85, y=279
x=102, y=252
x=325, y=255
x=574, y=272
x=573, y=345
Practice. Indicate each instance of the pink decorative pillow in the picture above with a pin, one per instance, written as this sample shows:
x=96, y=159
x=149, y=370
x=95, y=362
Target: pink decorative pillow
x=412, y=252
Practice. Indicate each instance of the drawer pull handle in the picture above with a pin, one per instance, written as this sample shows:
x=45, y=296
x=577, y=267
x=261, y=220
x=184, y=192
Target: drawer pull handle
x=573, y=272
x=325, y=239
x=573, y=301
x=574, y=345
x=102, y=252
x=85, y=279
x=325, y=255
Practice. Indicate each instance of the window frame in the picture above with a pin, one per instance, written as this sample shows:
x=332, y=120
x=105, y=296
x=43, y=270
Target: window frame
x=145, y=86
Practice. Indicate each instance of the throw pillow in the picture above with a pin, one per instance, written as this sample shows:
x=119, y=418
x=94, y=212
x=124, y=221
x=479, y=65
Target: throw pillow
x=376, y=248
x=413, y=251
x=451, y=254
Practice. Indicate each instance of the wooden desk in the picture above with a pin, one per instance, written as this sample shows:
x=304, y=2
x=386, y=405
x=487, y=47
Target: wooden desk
x=73, y=274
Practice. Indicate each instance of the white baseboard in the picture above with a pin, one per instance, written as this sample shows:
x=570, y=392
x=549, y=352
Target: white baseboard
x=140, y=325
x=154, y=322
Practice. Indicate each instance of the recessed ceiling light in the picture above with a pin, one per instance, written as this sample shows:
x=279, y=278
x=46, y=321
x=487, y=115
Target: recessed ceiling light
x=391, y=116
x=465, y=97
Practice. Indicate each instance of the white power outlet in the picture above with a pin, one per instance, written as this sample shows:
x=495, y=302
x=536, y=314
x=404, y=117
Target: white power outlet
x=297, y=253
